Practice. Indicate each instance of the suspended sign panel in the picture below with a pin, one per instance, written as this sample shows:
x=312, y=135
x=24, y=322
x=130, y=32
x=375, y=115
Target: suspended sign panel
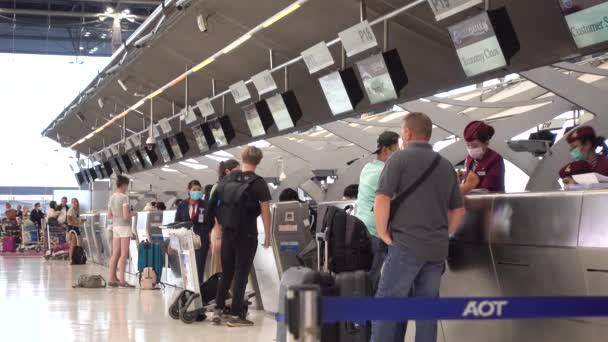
x=587, y=20
x=446, y=8
x=484, y=42
x=342, y=91
x=383, y=76
x=258, y=118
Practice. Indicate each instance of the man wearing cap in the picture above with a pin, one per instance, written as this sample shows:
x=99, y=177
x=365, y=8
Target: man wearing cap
x=388, y=143
x=485, y=169
x=583, y=147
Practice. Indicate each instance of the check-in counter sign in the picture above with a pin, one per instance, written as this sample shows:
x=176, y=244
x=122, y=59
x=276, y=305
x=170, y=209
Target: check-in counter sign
x=358, y=38
x=317, y=57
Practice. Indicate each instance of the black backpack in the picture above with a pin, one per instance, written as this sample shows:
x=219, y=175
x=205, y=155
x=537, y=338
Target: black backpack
x=237, y=205
x=79, y=257
x=349, y=242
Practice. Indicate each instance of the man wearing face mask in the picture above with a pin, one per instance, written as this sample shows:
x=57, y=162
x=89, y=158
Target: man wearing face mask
x=485, y=169
x=193, y=210
x=584, y=144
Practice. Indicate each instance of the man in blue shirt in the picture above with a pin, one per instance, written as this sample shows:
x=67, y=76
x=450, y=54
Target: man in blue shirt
x=388, y=142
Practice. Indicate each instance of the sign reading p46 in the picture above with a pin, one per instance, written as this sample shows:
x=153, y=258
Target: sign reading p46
x=446, y=8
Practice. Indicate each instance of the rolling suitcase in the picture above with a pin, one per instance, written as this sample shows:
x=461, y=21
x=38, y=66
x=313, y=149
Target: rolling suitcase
x=306, y=276
x=9, y=244
x=354, y=284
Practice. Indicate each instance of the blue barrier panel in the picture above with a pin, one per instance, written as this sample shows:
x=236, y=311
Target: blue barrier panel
x=362, y=309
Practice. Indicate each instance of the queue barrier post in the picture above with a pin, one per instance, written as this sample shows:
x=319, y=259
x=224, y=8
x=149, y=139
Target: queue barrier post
x=303, y=313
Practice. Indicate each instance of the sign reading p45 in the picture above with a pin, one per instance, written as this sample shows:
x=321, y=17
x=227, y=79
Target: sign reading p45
x=446, y=8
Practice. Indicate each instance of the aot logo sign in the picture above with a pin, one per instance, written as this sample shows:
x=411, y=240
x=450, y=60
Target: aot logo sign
x=485, y=308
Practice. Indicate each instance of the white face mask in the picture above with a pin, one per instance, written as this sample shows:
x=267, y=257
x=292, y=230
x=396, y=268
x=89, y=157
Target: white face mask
x=476, y=153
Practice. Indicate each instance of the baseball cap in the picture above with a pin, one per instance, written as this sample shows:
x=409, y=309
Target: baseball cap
x=387, y=139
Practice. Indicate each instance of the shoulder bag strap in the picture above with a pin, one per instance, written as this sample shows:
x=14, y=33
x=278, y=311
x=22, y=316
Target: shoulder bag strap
x=402, y=196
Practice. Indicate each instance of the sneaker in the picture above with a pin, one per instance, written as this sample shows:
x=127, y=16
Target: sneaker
x=236, y=322
x=219, y=317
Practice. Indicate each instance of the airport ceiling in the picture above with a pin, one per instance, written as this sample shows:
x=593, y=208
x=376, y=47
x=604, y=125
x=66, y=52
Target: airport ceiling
x=424, y=46
x=62, y=27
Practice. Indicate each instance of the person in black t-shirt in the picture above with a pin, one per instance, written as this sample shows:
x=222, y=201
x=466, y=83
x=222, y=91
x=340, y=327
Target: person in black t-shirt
x=240, y=198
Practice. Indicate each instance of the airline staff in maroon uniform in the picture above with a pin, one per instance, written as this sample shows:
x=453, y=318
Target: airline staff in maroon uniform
x=583, y=147
x=485, y=169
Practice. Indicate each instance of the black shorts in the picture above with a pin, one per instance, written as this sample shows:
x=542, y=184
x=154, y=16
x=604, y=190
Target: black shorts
x=76, y=230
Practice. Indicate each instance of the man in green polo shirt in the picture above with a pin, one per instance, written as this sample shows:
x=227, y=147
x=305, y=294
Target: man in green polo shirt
x=388, y=142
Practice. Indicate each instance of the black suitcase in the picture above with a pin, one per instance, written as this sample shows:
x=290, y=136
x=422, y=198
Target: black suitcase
x=354, y=284
x=306, y=276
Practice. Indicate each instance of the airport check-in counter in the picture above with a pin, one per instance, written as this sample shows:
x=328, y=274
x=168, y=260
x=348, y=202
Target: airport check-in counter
x=290, y=234
x=529, y=244
x=95, y=238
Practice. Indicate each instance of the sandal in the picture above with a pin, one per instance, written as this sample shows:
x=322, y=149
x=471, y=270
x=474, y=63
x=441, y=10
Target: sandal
x=113, y=284
x=126, y=285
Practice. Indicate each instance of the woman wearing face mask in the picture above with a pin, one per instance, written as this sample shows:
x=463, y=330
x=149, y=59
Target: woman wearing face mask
x=583, y=145
x=485, y=169
x=193, y=210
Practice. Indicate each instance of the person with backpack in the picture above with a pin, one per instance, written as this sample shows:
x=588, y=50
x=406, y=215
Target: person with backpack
x=388, y=143
x=74, y=222
x=418, y=205
x=239, y=199
x=193, y=210
x=120, y=214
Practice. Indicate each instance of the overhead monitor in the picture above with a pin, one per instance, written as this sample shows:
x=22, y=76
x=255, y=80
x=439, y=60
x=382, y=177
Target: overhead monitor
x=166, y=152
x=484, y=42
x=116, y=166
x=586, y=20
x=342, y=90
x=107, y=166
x=259, y=119
x=383, y=76
x=203, y=137
x=79, y=178
x=137, y=159
x=179, y=145
x=222, y=131
x=125, y=163
x=285, y=110
x=150, y=156
x=92, y=174
x=101, y=172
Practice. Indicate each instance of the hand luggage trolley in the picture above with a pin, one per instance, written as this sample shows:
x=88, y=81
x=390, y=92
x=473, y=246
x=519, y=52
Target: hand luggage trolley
x=188, y=306
x=30, y=239
x=56, y=242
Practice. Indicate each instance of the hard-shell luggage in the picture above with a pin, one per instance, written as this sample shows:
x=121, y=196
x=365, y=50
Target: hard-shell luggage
x=306, y=276
x=354, y=284
x=9, y=244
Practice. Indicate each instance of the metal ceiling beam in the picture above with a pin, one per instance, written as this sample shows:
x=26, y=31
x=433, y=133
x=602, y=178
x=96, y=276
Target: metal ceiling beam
x=111, y=2
x=42, y=13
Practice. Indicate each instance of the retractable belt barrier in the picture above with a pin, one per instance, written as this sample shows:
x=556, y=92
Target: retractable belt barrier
x=363, y=309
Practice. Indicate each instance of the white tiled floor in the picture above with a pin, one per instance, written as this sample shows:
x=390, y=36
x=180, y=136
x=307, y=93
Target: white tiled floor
x=38, y=303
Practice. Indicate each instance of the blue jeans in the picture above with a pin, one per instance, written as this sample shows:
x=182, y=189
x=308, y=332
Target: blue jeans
x=379, y=249
x=402, y=272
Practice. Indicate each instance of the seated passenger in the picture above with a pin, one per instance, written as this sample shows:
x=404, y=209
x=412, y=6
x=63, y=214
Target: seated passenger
x=485, y=169
x=583, y=145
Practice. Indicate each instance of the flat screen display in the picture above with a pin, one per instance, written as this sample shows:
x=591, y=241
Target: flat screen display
x=108, y=168
x=137, y=159
x=116, y=166
x=280, y=113
x=376, y=79
x=101, y=174
x=150, y=157
x=79, y=178
x=92, y=174
x=199, y=137
x=253, y=121
x=126, y=163
x=335, y=93
x=476, y=44
x=586, y=20
x=177, y=152
x=218, y=133
x=164, y=151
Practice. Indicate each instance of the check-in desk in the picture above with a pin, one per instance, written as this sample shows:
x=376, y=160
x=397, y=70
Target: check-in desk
x=94, y=238
x=530, y=244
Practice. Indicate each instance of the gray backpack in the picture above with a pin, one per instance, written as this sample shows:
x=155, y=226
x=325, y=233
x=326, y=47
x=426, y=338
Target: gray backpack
x=90, y=282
